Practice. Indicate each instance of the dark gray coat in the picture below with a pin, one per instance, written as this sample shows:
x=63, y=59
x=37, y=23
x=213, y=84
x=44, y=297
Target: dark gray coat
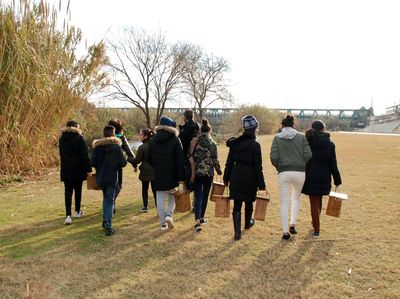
x=166, y=158
x=142, y=156
x=75, y=161
x=321, y=167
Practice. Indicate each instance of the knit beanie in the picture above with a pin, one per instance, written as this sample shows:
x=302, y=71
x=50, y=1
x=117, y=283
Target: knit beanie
x=249, y=122
x=166, y=121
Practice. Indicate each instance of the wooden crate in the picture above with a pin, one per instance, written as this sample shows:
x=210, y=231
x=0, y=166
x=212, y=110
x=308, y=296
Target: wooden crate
x=182, y=201
x=91, y=183
x=222, y=206
x=217, y=188
x=335, y=203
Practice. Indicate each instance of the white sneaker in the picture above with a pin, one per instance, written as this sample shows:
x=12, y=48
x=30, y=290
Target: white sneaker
x=164, y=226
x=68, y=220
x=169, y=221
x=78, y=214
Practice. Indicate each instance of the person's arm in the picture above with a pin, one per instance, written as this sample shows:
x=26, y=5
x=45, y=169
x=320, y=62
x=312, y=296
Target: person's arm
x=179, y=160
x=139, y=157
x=95, y=160
x=214, y=157
x=274, y=154
x=258, y=166
x=333, y=167
x=121, y=159
x=84, y=154
x=126, y=147
x=307, y=154
x=228, y=168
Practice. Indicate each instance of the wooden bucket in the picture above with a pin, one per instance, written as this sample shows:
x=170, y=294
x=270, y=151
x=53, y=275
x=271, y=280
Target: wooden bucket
x=91, y=182
x=222, y=206
x=182, y=201
x=335, y=204
x=262, y=200
x=217, y=188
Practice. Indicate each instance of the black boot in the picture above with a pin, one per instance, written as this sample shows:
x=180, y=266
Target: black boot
x=236, y=224
x=248, y=221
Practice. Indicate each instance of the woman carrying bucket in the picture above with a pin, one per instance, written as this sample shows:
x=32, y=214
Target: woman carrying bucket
x=289, y=154
x=204, y=158
x=244, y=173
x=319, y=170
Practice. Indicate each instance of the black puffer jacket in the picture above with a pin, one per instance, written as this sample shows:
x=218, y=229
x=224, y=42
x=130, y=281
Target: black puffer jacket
x=107, y=159
x=75, y=161
x=186, y=133
x=322, y=166
x=243, y=168
x=166, y=158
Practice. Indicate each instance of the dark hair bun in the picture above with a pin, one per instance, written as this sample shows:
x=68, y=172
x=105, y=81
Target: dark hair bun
x=204, y=122
x=288, y=121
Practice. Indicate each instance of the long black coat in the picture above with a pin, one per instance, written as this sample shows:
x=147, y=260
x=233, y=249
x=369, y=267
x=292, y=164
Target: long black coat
x=243, y=168
x=75, y=161
x=321, y=167
x=107, y=158
x=142, y=156
x=166, y=158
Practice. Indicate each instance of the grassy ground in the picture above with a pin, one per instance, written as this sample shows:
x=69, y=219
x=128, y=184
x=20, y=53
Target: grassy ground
x=357, y=255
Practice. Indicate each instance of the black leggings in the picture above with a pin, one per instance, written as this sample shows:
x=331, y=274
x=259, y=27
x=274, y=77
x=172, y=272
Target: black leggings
x=248, y=206
x=70, y=187
x=145, y=196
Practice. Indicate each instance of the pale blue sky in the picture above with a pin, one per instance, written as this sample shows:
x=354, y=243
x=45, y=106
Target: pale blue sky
x=291, y=53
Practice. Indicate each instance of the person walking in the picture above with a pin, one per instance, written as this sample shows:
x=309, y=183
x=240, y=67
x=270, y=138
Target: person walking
x=146, y=175
x=166, y=158
x=119, y=133
x=108, y=158
x=244, y=173
x=75, y=166
x=189, y=130
x=319, y=170
x=289, y=154
x=204, y=158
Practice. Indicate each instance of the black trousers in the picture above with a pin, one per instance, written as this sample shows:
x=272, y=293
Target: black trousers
x=145, y=195
x=70, y=187
x=248, y=206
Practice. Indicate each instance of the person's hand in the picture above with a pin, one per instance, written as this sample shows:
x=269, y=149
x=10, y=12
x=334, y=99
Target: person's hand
x=219, y=172
x=191, y=181
x=226, y=184
x=89, y=174
x=261, y=189
x=134, y=169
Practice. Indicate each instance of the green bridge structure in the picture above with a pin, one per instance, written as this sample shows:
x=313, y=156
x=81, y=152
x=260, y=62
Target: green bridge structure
x=357, y=117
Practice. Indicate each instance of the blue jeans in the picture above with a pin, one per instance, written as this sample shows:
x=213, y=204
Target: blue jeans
x=202, y=186
x=108, y=200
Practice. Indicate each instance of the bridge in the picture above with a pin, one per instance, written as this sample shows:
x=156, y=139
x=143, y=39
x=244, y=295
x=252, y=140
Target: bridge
x=358, y=117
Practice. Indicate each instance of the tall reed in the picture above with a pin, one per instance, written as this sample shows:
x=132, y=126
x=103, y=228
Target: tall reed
x=42, y=84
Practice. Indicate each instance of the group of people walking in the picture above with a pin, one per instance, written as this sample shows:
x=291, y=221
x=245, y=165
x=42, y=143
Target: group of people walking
x=169, y=157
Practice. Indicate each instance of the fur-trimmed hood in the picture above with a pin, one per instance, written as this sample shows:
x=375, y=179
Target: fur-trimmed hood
x=72, y=130
x=163, y=133
x=106, y=141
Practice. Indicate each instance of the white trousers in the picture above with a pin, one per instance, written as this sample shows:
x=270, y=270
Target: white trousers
x=290, y=185
x=161, y=195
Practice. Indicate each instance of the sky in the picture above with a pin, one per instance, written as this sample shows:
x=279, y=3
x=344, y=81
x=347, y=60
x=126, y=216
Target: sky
x=283, y=54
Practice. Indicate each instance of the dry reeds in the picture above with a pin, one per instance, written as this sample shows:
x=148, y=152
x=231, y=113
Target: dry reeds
x=42, y=83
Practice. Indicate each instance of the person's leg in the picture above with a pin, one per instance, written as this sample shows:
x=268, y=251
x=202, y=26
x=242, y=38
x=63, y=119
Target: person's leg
x=68, y=197
x=145, y=189
x=284, y=192
x=248, y=213
x=78, y=195
x=160, y=195
x=315, y=210
x=108, y=204
x=153, y=189
x=117, y=189
x=297, y=181
x=236, y=215
x=171, y=204
x=198, y=196
x=206, y=193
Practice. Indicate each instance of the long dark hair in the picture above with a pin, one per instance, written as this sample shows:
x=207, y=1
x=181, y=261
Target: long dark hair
x=147, y=132
x=205, y=126
x=317, y=129
x=117, y=124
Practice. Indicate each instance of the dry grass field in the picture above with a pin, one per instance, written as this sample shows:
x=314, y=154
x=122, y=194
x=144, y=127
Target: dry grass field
x=356, y=256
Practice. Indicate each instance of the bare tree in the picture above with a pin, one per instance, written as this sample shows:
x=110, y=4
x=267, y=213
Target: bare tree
x=145, y=69
x=204, y=79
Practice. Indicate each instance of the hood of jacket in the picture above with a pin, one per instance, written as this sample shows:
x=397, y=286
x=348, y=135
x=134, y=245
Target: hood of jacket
x=287, y=133
x=320, y=140
x=240, y=143
x=106, y=141
x=163, y=133
x=70, y=132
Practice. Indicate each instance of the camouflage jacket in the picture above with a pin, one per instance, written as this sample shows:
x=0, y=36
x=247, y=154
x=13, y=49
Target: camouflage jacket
x=205, y=156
